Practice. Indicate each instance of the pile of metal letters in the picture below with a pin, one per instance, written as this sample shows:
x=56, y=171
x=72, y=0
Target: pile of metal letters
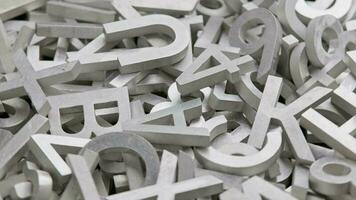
x=177, y=99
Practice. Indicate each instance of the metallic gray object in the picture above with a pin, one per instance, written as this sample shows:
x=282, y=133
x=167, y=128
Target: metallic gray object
x=5, y=136
x=339, y=10
x=21, y=190
x=250, y=164
x=24, y=38
x=230, y=180
x=7, y=64
x=97, y=44
x=333, y=176
x=214, y=63
x=192, y=188
x=7, y=184
x=316, y=53
x=83, y=176
x=232, y=194
x=344, y=96
x=350, y=60
x=332, y=112
x=260, y=3
x=285, y=170
x=10, y=8
x=29, y=81
x=69, y=30
x=134, y=170
x=210, y=8
x=195, y=78
x=89, y=102
x=16, y=147
x=185, y=166
x=257, y=188
x=116, y=141
x=171, y=7
x=298, y=65
x=176, y=98
x=41, y=181
x=194, y=24
x=289, y=19
x=49, y=158
x=167, y=170
x=181, y=7
x=142, y=82
x=179, y=133
x=114, y=76
x=120, y=182
x=219, y=100
x=34, y=56
x=300, y=182
x=286, y=116
x=18, y=110
x=132, y=142
x=234, y=5
x=243, y=165
x=325, y=77
x=62, y=47
x=79, y=12
x=287, y=46
x=166, y=55
x=127, y=60
x=270, y=41
x=340, y=138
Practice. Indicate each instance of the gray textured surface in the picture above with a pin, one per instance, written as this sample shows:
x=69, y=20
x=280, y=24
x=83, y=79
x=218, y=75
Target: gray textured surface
x=177, y=99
